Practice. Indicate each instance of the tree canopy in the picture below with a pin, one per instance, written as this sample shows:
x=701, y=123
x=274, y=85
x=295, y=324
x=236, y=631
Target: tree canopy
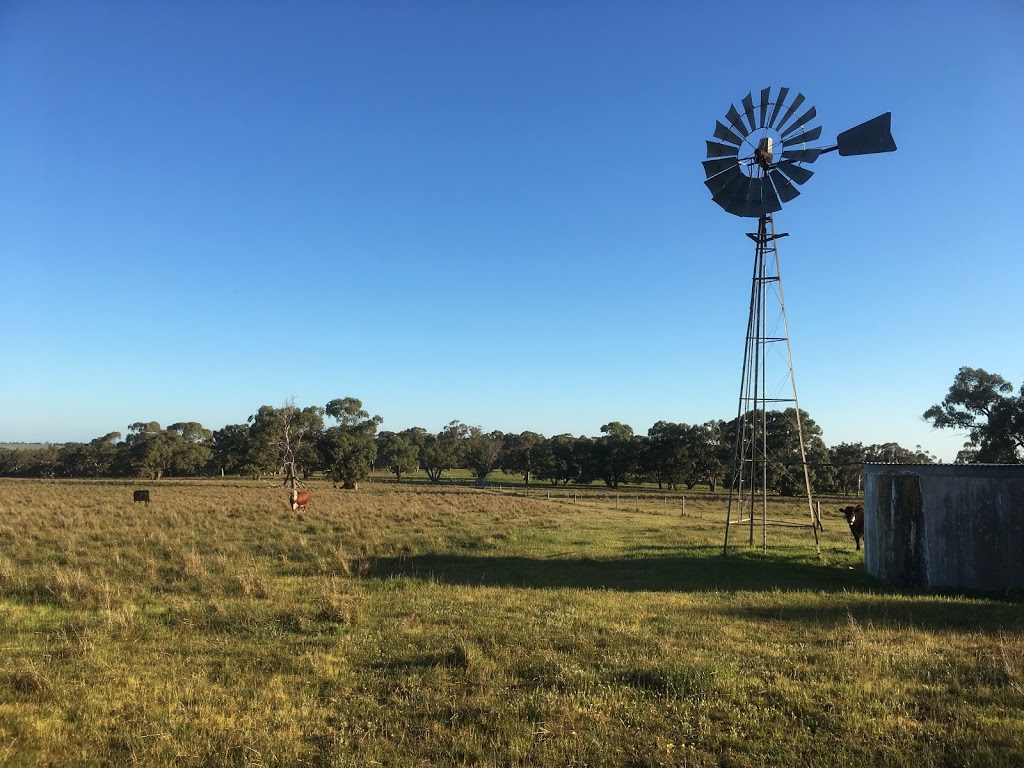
x=983, y=405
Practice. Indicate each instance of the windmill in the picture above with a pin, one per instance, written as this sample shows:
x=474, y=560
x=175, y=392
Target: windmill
x=753, y=167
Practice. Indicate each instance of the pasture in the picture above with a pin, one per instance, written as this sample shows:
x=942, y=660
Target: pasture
x=415, y=625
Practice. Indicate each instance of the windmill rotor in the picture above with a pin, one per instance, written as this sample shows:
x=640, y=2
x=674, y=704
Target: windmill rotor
x=760, y=155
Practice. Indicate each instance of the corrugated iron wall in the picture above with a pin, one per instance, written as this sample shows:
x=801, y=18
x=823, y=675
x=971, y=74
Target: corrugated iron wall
x=945, y=526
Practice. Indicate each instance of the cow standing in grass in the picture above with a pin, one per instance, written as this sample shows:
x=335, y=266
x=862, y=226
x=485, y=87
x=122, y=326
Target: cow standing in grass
x=855, y=517
x=141, y=496
x=298, y=500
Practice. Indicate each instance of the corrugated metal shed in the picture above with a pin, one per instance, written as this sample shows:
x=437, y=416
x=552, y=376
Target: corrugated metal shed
x=945, y=526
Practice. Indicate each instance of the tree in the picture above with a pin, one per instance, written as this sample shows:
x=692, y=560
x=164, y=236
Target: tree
x=284, y=438
x=194, y=450
x=157, y=453
x=616, y=454
x=73, y=460
x=983, y=405
x=557, y=460
x=35, y=461
x=397, y=452
x=230, y=448
x=711, y=455
x=92, y=459
x=522, y=453
x=141, y=456
x=894, y=453
x=482, y=451
x=103, y=453
x=784, y=469
x=443, y=451
x=848, y=460
x=348, y=449
x=666, y=458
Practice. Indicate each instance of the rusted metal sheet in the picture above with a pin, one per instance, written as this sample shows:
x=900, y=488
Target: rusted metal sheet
x=945, y=526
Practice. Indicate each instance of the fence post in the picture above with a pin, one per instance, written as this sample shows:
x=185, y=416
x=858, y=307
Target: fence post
x=682, y=500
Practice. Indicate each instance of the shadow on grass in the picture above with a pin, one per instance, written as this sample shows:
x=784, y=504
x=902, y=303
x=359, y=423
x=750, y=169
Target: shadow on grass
x=704, y=570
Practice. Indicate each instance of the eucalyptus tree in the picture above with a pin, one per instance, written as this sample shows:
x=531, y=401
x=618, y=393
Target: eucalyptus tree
x=230, y=448
x=523, y=454
x=284, y=438
x=194, y=450
x=848, y=462
x=482, y=451
x=983, y=406
x=558, y=462
x=616, y=454
x=894, y=453
x=348, y=448
x=92, y=459
x=666, y=457
x=397, y=452
x=443, y=451
x=784, y=469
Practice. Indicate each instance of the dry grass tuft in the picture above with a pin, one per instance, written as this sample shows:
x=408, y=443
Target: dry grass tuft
x=26, y=682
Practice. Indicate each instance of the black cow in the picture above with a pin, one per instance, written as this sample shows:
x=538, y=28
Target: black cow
x=141, y=496
x=855, y=517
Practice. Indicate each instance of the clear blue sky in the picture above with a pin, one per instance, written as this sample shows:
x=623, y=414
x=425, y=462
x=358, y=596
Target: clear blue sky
x=492, y=212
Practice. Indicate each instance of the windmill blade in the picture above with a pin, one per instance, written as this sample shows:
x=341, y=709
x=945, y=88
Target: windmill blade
x=808, y=155
x=789, y=112
x=721, y=150
x=812, y=135
x=800, y=121
x=748, y=110
x=783, y=186
x=868, y=138
x=715, y=167
x=783, y=93
x=721, y=181
x=737, y=204
x=765, y=94
x=733, y=197
x=723, y=133
x=734, y=120
x=802, y=156
x=795, y=172
x=762, y=197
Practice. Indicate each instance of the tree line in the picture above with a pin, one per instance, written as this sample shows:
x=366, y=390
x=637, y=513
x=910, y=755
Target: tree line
x=342, y=442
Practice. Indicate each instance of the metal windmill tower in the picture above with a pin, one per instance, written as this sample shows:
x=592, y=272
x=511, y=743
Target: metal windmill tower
x=752, y=166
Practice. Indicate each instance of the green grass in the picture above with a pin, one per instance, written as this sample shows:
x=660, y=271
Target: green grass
x=415, y=625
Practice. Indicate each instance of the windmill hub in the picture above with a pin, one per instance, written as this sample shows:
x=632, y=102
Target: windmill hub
x=763, y=154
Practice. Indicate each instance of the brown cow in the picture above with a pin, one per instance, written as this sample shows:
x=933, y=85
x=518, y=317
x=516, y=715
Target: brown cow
x=298, y=500
x=855, y=517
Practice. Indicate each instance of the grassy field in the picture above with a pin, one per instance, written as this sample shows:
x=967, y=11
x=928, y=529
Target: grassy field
x=419, y=625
